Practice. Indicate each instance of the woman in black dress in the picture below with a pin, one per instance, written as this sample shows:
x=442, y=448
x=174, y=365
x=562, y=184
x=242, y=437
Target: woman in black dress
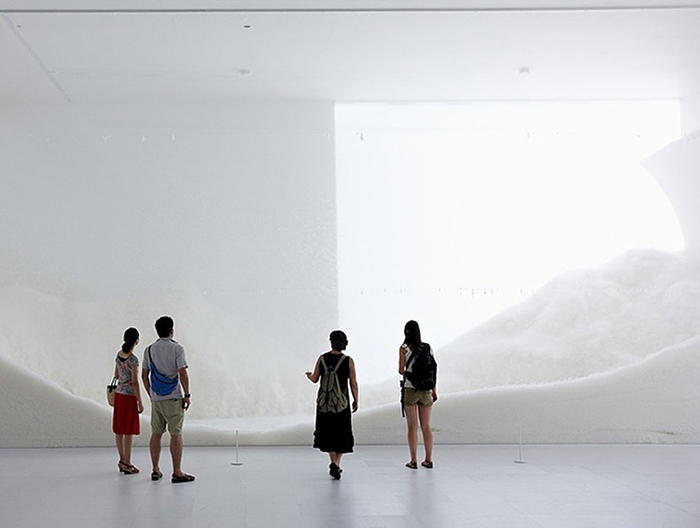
x=333, y=433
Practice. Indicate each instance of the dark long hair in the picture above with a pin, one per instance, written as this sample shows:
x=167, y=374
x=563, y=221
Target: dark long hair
x=412, y=336
x=131, y=335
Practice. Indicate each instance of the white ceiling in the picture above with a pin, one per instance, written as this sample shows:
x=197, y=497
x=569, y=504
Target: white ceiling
x=202, y=51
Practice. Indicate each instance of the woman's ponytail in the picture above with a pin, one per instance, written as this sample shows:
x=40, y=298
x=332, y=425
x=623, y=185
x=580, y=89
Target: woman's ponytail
x=131, y=335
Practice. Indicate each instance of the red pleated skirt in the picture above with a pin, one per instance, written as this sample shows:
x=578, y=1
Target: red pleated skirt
x=125, y=419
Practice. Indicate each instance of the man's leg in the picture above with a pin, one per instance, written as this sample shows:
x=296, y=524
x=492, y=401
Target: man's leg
x=176, y=453
x=155, y=451
x=175, y=420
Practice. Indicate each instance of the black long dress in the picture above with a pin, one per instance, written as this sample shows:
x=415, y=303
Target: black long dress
x=334, y=430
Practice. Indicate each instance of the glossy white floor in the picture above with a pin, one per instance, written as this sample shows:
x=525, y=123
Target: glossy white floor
x=471, y=486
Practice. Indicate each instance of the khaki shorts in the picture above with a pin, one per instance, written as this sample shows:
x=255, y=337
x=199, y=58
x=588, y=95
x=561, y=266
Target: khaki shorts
x=167, y=412
x=412, y=397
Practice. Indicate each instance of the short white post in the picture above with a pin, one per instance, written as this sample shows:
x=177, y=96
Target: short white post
x=520, y=447
x=237, y=463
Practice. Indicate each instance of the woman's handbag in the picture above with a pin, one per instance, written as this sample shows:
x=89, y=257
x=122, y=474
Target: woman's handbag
x=111, y=389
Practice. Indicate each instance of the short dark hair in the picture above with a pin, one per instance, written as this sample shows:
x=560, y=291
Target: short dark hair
x=339, y=341
x=164, y=325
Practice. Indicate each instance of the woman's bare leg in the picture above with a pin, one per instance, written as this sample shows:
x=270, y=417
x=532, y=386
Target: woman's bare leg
x=412, y=433
x=119, y=440
x=127, y=443
x=424, y=416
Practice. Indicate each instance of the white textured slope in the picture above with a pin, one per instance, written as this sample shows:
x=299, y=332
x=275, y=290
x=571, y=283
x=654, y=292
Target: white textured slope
x=38, y=413
x=35, y=412
x=653, y=401
x=74, y=343
x=580, y=323
x=579, y=361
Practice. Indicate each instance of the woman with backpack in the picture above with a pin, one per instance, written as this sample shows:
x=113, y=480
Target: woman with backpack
x=333, y=432
x=418, y=391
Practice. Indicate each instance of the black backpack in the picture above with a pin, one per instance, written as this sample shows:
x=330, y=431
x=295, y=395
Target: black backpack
x=423, y=374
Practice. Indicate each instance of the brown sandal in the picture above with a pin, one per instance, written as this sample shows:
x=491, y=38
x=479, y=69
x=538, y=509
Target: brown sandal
x=127, y=469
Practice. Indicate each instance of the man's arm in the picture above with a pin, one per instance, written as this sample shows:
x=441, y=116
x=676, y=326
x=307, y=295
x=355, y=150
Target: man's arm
x=185, y=382
x=146, y=381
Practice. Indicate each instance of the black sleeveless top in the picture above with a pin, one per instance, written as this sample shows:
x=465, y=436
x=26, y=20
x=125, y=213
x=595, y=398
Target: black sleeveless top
x=343, y=372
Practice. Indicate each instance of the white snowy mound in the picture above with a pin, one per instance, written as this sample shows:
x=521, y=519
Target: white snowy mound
x=580, y=323
x=38, y=413
x=74, y=343
x=653, y=401
x=601, y=355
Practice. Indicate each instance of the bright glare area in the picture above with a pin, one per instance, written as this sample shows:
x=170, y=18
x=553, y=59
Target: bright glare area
x=448, y=213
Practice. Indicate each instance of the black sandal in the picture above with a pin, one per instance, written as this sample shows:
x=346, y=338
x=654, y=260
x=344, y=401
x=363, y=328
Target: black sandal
x=335, y=471
x=156, y=475
x=181, y=478
x=412, y=465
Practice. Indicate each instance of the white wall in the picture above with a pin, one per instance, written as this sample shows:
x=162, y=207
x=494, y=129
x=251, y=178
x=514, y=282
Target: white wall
x=677, y=169
x=236, y=202
x=690, y=114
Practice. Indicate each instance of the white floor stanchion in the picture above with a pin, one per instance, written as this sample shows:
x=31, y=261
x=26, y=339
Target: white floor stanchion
x=520, y=447
x=237, y=462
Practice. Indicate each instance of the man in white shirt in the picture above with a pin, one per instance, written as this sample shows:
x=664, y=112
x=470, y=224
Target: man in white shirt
x=164, y=375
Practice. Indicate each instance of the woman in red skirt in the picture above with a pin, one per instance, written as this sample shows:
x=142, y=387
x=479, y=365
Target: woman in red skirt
x=127, y=401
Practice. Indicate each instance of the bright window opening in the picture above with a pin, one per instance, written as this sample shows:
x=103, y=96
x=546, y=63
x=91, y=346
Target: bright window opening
x=448, y=213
